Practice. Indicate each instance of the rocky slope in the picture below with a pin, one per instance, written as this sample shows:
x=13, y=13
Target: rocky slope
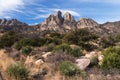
x=14, y=25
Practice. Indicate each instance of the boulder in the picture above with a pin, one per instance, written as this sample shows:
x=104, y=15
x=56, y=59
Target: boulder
x=91, y=55
x=45, y=55
x=39, y=62
x=100, y=59
x=82, y=63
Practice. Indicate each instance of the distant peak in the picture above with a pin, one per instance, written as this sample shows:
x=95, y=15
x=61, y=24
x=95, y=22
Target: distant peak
x=59, y=13
x=68, y=17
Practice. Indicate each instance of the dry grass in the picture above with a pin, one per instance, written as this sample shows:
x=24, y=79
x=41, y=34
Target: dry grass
x=5, y=60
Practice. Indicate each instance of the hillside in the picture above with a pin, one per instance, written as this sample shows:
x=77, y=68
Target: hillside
x=60, y=48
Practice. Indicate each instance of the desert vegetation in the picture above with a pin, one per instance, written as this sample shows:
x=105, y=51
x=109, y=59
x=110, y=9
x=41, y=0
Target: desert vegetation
x=54, y=53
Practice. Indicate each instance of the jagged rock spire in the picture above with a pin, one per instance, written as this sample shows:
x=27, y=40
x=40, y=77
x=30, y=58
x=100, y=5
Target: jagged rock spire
x=59, y=18
x=68, y=17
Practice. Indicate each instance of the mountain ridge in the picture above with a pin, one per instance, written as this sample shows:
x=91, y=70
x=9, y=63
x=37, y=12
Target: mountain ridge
x=62, y=24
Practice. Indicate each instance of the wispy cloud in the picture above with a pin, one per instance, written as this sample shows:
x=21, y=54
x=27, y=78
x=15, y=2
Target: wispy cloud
x=45, y=12
x=74, y=13
x=10, y=5
x=41, y=16
x=98, y=1
x=15, y=7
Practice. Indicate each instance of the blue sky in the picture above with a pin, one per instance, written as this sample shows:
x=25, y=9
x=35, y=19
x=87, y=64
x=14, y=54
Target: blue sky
x=35, y=11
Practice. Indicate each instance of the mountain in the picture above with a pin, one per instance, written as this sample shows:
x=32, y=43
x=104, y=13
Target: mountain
x=66, y=23
x=13, y=25
x=62, y=24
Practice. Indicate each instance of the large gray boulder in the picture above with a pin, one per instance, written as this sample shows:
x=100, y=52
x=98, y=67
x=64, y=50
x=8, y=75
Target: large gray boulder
x=82, y=63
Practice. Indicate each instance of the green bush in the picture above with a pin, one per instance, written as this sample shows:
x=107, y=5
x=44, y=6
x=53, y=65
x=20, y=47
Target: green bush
x=30, y=42
x=80, y=37
x=57, y=41
x=111, y=58
x=8, y=39
x=68, y=68
x=63, y=47
x=51, y=47
x=18, y=72
x=94, y=61
x=24, y=42
x=26, y=50
x=108, y=41
x=76, y=51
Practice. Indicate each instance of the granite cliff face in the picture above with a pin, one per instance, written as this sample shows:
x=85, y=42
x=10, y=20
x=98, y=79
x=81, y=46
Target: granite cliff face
x=52, y=23
x=58, y=23
x=66, y=23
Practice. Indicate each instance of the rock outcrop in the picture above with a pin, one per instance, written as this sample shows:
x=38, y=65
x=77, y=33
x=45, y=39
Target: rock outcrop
x=58, y=23
x=69, y=22
x=52, y=23
x=86, y=23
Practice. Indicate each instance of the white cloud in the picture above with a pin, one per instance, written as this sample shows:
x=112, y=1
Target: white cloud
x=19, y=7
x=7, y=17
x=74, y=13
x=33, y=24
x=41, y=16
x=45, y=12
x=10, y=5
x=99, y=1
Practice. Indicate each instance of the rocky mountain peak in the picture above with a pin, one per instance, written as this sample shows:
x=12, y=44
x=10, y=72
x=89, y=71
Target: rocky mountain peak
x=10, y=22
x=59, y=14
x=59, y=18
x=68, y=17
x=14, y=25
x=3, y=21
x=86, y=22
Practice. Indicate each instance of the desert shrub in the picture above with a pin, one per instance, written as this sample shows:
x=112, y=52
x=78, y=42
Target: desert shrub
x=56, y=58
x=68, y=68
x=57, y=41
x=56, y=35
x=24, y=42
x=80, y=37
x=55, y=38
x=117, y=37
x=39, y=42
x=93, y=61
x=8, y=39
x=18, y=72
x=30, y=42
x=111, y=58
x=51, y=47
x=76, y=51
x=26, y=50
x=108, y=41
x=63, y=47
x=87, y=46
